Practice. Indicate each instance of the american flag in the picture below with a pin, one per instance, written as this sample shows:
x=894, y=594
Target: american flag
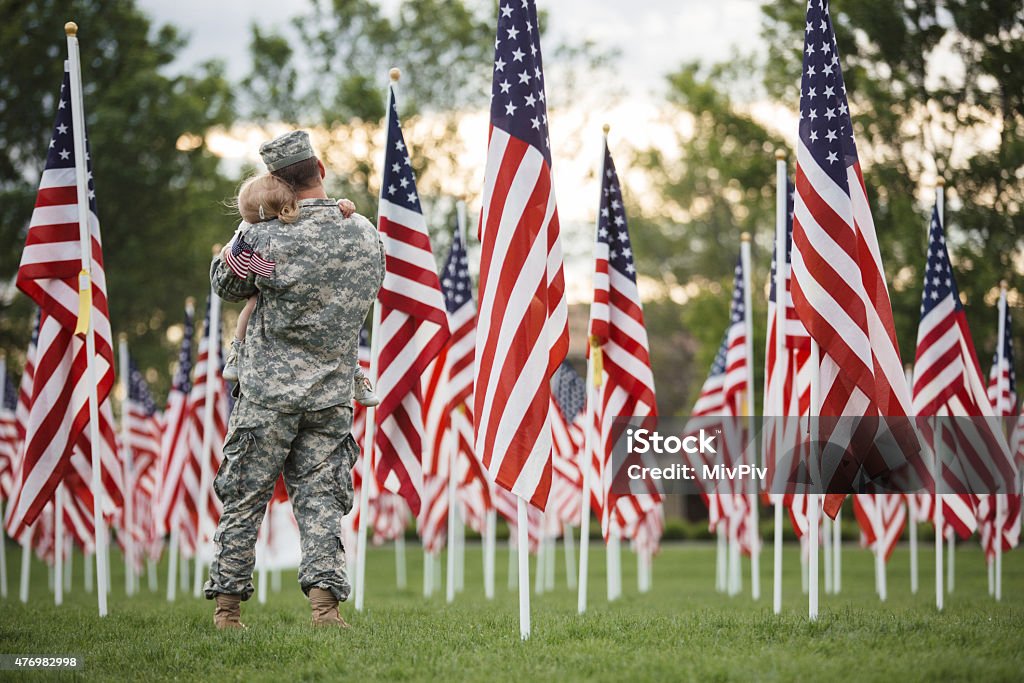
x=243, y=261
x=49, y=275
x=569, y=394
x=1004, y=402
x=174, y=453
x=447, y=397
x=787, y=378
x=523, y=333
x=21, y=412
x=9, y=442
x=839, y=286
x=881, y=518
x=948, y=380
x=144, y=428
x=413, y=321
x=719, y=407
x=193, y=494
x=617, y=327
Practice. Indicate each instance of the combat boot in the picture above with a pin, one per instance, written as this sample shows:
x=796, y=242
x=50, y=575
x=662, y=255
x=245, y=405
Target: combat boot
x=325, y=608
x=228, y=612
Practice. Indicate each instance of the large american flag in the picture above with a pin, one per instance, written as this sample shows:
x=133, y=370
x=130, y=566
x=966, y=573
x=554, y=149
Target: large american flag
x=413, y=322
x=523, y=331
x=49, y=275
x=839, y=287
x=174, y=445
x=617, y=328
x=948, y=382
x=1004, y=401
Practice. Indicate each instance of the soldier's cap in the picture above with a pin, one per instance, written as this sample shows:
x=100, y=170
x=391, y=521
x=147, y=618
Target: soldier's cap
x=287, y=149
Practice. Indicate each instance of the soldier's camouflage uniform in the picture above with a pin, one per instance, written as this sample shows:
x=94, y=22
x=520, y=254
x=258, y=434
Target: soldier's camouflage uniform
x=294, y=413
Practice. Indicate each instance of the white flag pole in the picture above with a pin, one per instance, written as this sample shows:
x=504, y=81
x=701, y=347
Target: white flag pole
x=206, y=472
x=371, y=413
x=490, y=540
x=778, y=396
x=595, y=371
x=58, y=546
x=940, y=205
x=524, y=568
x=950, y=561
x=721, y=563
x=912, y=526
x=172, y=559
x=85, y=290
x=1000, y=388
x=570, y=555
x=453, y=449
x=401, y=573
x=367, y=472
x=814, y=501
x=26, y=562
x=753, y=533
x=128, y=468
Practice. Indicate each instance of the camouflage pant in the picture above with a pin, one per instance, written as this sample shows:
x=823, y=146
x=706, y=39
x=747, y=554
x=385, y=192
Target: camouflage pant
x=316, y=451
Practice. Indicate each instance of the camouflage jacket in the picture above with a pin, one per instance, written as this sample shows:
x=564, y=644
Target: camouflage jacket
x=316, y=280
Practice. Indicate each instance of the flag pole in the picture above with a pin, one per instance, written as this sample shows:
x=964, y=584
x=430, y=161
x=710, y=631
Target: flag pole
x=3, y=533
x=26, y=562
x=453, y=448
x=813, y=502
x=371, y=414
x=778, y=397
x=524, y=568
x=489, y=552
x=593, y=382
x=940, y=205
x=128, y=468
x=58, y=546
x=595, y=372
x=754, y=534
x=206, y=473
x=85, y=306
x=1000, y=387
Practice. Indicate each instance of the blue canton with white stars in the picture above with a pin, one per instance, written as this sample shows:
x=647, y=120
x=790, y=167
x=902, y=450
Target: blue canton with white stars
x=569, y=390
x=735, y=318
x=790, y=198
x=455, y=283
x=399, y=184
x=1007, y=352
x=138, y=389
x=938, y=273
x=518, y=103
x=181, y=380
x=825, y=126
x=611, y=226
x=61, y=152
x=10, y=394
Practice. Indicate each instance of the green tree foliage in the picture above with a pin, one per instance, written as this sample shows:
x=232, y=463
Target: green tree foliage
x=936, y=89
x=158, y=186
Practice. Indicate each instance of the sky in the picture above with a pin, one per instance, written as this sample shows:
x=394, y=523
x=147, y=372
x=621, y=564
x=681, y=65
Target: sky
x=653, y=37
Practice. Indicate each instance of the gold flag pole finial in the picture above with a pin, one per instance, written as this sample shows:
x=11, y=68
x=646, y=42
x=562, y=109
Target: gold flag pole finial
x=780, y=155
x=395, y=74
x=71, y=29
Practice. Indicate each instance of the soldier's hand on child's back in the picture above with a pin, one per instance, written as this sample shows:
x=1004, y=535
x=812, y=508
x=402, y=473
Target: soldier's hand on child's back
x=347, y=207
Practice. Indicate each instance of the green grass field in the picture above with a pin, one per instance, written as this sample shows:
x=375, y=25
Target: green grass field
x=681, y=630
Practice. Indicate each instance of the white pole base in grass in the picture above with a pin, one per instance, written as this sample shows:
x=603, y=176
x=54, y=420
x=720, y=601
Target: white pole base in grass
x=570, y=556
x=524, y=570
x=401, y=572
x=777, y=560
x=489, y=551
x=26, y=566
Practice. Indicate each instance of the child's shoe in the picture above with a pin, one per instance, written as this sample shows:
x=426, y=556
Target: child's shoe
x=363, y=392
x=230, y=372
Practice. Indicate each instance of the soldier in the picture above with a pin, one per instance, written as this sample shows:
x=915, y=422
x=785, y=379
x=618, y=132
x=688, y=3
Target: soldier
x=315, y=278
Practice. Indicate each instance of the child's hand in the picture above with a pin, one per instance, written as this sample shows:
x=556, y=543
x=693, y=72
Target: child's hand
x=347, y=207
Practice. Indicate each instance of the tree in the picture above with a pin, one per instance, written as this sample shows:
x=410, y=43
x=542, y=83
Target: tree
x=158, y=186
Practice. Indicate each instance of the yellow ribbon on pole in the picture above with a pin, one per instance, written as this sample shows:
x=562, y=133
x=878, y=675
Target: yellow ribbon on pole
x=84, y=303
x=597, y=362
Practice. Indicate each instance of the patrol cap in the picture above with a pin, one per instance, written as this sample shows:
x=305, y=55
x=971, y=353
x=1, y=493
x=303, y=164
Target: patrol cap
x=287, y=149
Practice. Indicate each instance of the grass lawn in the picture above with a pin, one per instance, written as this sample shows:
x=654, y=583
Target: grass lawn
x=681, y=630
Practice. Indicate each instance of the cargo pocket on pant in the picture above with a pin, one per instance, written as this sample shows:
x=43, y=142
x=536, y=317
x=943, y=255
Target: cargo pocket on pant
x=348, y=452
x=227, y=483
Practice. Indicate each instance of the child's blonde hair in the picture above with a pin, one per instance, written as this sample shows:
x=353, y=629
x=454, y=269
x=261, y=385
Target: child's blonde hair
x=264, y=197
